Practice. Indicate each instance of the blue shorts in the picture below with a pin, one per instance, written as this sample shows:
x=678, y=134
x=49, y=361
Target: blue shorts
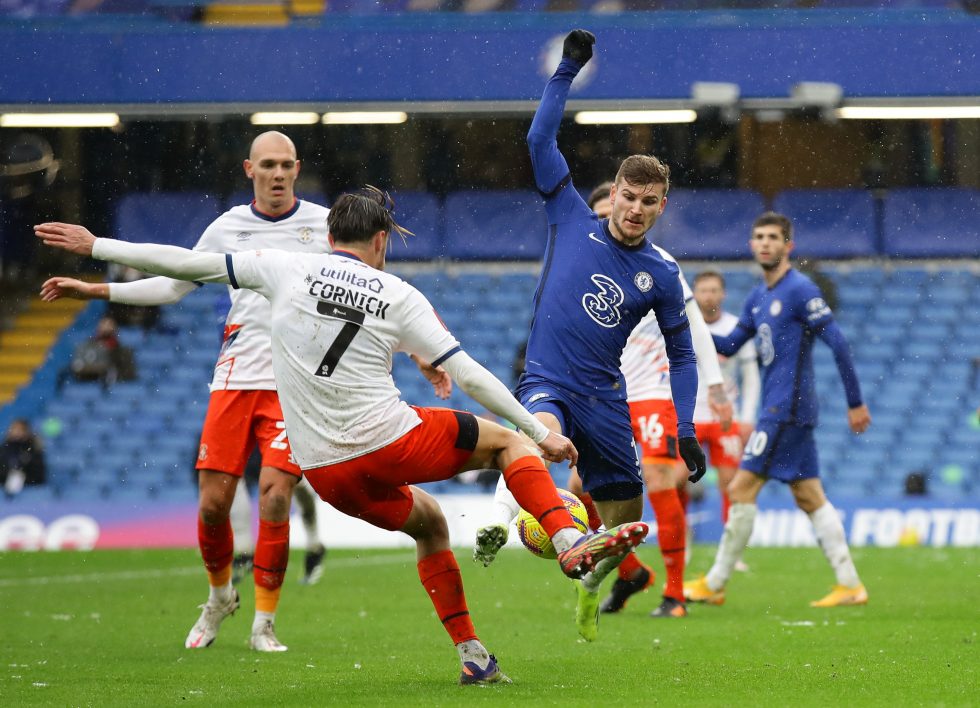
x=781, y=451
x=602, y=434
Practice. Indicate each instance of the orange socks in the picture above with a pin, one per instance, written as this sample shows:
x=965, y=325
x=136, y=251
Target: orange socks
x=441, y=579
x=217, y=545
x=671, y=534
x=630, y=566
x=726, y=504
x=532, y=487
x=271, y=558
x=594, y=521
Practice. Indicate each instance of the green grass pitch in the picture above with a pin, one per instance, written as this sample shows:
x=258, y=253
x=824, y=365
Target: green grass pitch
x=107, y=628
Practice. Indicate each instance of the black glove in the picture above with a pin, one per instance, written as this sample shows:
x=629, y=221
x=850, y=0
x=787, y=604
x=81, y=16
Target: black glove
x=693, y=457
x=578, y=46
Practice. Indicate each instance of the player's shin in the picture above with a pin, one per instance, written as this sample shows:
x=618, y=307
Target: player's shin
x=443, y=583
x=217, y=546
x=535, y=491
x=671, y=534
x=741, y=518
x=833, y=542
x=271, y=558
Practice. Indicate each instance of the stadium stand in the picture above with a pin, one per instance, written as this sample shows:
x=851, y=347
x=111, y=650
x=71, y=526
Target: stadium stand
x=499, y=225
x=149, y=217
x=709, y=223
x=913, y=327
x=831, y=223
x=932, y=223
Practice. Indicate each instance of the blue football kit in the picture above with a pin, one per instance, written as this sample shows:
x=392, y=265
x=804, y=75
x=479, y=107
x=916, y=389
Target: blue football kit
x=592, y=292
x=785, y=319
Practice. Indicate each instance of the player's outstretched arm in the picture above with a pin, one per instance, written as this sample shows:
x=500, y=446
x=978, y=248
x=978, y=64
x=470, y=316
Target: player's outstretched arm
x=58, y=287
x=487, y=390
x=171, y=261
x=550, y=167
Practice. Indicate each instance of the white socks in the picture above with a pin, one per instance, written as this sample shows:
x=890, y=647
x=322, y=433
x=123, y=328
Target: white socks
x=830, y=535
x=241, y=519
x=261, y=618
x=565, y=539
x=474, y=651
x=505, y=506
x=221, y=594
x=735, y=538
x=593, y=580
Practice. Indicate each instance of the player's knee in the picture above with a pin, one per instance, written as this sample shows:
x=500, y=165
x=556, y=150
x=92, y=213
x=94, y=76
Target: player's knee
x=429, y=523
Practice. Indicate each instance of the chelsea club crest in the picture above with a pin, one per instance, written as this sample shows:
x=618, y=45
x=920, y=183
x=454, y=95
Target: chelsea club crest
x=643, y=280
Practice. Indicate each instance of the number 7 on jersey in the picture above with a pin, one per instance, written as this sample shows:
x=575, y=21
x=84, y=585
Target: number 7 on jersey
x=353, y=320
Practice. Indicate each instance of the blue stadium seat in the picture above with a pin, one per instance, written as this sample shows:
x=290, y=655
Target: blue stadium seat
x=495, y=225
x=932, y=223
x=150, y=217
x=830, y=223
x=420, y=213
x=710, y=223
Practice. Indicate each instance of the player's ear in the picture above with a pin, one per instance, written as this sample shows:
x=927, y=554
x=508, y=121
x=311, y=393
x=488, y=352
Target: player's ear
x=330, y=240
x=298, y=165
x=247, y=166
x=663, y=205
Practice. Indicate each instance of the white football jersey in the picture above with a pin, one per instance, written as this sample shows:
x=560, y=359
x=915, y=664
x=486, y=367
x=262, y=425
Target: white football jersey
x=644, y=361
x=245, y=360
x=724, y=326
x=336, y=323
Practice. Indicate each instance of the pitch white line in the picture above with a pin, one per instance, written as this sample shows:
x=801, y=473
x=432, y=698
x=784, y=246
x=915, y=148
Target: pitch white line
x=185, y=570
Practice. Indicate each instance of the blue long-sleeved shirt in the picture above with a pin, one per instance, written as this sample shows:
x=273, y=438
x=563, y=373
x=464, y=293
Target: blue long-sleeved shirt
x=784, y=320
x=593, y=290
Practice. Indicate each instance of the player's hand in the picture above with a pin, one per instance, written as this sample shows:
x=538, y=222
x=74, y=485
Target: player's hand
x=57, y=288
x=68, y=237
x=442, y=383
x=693, y=457
x=557, y=448
x=859, y=419
x=720, y=406
x=578, y=46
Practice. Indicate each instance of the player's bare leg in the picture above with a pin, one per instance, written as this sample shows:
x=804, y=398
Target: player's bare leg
x=743, y=492
x=271, y=554
x=441, y=579
x=306, y=500
x=829, y=530
x=216, y=541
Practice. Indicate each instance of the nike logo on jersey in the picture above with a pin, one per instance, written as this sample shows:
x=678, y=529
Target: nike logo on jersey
x=596, y=238
x=755, y=310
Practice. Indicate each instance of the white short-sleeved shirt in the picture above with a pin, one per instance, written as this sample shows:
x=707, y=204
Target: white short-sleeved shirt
x=724, y=326
x=336, y=323
x=644, y=362
x=245, y=360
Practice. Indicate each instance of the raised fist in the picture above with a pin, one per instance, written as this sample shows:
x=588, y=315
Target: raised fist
x=578, y=46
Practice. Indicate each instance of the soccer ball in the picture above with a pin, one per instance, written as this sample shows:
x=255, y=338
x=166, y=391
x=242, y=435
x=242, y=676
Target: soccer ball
x=534, y=537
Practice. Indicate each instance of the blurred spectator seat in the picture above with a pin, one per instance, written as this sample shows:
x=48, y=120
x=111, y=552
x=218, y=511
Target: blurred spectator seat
x=830, y=223
x=932, y=222
x=174, y=218
x=706, y=224
x=495, y=225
